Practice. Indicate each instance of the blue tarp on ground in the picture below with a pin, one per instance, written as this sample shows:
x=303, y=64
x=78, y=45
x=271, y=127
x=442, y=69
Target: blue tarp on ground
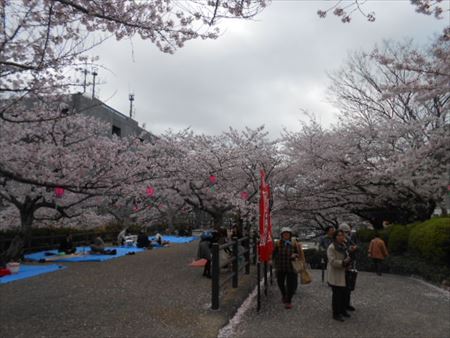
x=27, y=271
x=121, y=251
x=175, y=239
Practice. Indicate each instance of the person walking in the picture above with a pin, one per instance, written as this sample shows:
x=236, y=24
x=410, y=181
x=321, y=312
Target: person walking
x=204, y=252
x=338, y=260
x=325, y=242
x=327, y=238
x=378, y=252
x=284, y=252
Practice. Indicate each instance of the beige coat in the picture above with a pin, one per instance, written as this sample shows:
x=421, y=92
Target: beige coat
x=336, y=272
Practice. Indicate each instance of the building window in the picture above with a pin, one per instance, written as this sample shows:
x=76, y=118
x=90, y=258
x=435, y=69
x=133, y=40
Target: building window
x=115, y=130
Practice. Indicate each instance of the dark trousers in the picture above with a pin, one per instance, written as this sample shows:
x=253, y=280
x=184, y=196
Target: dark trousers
x=338, y=299
x=346, y=294
x=287, y=282
x=377, y=263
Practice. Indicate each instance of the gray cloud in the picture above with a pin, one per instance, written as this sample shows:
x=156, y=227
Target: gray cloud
x=258, y=72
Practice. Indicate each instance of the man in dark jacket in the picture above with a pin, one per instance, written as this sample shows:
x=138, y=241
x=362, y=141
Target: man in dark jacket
x=67, y=246
x=143, y=241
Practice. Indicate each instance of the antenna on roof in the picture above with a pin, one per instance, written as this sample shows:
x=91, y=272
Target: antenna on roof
x=131, y=98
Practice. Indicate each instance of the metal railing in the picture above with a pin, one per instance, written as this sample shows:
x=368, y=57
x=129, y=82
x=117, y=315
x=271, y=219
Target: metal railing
x=250, y=249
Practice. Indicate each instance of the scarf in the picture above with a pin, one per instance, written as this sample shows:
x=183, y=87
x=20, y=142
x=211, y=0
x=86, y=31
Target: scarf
x=341, y=248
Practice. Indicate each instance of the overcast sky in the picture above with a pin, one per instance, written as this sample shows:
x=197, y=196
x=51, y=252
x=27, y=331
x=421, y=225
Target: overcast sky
x=258, y=72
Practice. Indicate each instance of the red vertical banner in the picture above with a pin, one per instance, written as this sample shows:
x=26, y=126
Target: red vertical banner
x=265, y=221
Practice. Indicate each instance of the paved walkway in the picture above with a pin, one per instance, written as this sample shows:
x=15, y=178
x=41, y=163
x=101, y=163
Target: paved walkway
x=156, y=294
x=386, y=306
x=150, y=294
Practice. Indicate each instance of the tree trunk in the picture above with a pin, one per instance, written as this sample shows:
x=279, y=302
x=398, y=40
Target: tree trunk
x=14, y=251
x=23, y=239
x=26, y=222
x=170, y=221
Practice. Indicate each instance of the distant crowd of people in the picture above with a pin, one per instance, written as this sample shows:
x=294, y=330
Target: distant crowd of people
x=124, y=238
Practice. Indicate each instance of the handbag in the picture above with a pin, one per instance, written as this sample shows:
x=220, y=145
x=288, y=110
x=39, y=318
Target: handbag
x=300, y=268
x=298, y=265
x=305, y=277
x=350, y=279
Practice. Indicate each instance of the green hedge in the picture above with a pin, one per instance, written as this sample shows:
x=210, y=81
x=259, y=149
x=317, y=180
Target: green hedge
x=431, y=240
x=365, y=235
x=413, y=265
x=398, y=239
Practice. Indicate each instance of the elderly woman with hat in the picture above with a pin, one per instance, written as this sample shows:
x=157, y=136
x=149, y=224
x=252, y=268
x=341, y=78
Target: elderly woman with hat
x=351, y=248
x=284, y=252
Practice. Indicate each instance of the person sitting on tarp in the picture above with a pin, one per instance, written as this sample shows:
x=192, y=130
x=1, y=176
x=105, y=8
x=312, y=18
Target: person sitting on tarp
x=121, y=236
x=159, y=240
x=143, y=241
x=67, y=246
x=98, y=248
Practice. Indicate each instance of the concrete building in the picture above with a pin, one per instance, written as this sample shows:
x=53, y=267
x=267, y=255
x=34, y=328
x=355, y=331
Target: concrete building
x=120, y=124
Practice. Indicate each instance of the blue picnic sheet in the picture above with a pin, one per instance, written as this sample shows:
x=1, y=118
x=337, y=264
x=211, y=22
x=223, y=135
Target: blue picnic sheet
x=175, y=239
x=27, y=271
x=121, y=251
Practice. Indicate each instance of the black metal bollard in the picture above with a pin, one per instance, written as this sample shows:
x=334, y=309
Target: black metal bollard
x=247, y=256
x=265, y=279
x=235, y=263
x=322, y=264
x=258, y=277
x=255, y=248
x=215, y=270
x=271, y=274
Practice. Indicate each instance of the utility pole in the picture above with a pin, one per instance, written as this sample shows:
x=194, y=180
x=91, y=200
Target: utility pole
x=85, y=72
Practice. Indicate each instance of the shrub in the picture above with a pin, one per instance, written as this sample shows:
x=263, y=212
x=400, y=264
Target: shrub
x=413, y=265
x=431, y=239
x=365, y=235
x=363, y=262
x=398, y=239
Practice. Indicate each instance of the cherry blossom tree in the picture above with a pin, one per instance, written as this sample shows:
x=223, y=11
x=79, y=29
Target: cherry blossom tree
x=66, y=166
x=45, y=41
x=217, y=174
x=346, y=9
x=387, y=158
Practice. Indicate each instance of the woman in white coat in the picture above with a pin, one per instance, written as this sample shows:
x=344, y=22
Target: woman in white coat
x=338, y=260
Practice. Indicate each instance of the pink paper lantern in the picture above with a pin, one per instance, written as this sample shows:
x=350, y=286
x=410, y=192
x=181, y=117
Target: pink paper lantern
x=150, y=191
x=244, y=195
x=213, y=179
x=59, y=192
